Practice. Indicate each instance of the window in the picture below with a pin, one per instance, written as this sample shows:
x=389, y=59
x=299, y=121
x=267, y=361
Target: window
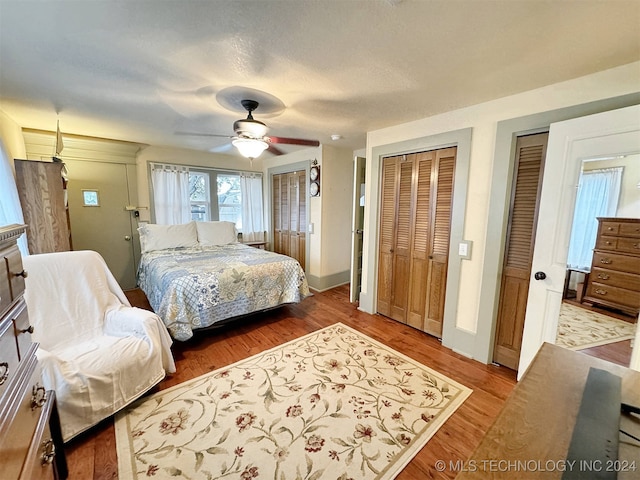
x=227, y=198
x=199, y=196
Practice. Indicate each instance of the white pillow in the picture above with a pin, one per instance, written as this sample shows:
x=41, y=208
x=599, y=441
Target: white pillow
x=216, y=233
x=158, y=237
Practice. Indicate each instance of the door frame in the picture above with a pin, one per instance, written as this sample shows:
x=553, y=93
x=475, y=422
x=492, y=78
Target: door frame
x=268, y=197
x=359, y=164
x=459, y=340
x=614, y=132
x=506, y=132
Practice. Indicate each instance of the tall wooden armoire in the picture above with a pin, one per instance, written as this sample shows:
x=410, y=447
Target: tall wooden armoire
x=42, y=195
x=290, y=215
x=417, y=194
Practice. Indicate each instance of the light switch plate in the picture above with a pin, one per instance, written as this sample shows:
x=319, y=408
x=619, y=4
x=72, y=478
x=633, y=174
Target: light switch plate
x=464, y=249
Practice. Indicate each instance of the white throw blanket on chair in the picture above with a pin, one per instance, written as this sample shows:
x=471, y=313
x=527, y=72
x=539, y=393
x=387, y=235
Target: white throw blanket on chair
x=96, y=351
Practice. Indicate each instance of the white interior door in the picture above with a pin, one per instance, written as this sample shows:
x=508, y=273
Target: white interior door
x=570, y=142
x=357, y=228
x=108, y=228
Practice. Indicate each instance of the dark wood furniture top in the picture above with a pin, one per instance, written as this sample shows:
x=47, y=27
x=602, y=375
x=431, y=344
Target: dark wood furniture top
x=536, y=424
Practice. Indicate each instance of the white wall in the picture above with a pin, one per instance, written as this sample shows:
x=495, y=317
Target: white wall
x=483, y=119
x=11, y=137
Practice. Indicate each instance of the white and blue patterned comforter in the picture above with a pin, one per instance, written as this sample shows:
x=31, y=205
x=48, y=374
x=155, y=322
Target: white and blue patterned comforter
x=192, y=288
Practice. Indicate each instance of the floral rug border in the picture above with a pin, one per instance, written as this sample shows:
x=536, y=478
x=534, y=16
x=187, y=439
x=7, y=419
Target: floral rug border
x=124, y=441
x=600, y=330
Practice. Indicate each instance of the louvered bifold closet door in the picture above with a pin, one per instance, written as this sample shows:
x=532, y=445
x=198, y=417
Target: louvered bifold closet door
x=294, y=219
x=388, y=200
x=277, y=213
x=284, y=213
x=302, y=220
x=442, y=200
x=421, y=239
x=530, y=153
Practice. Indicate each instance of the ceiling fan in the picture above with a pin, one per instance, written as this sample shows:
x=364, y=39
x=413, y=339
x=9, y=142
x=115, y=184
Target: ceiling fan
x=251, y=135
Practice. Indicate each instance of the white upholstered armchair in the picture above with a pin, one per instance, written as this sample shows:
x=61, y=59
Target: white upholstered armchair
x=96, y=351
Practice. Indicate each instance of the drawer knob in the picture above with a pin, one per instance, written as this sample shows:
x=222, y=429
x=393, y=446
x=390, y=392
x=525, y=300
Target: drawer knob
x=38, y=396
x=49, y=452
x=605, y=261
x=4, y=372
x=29, y=329
x=603, y=276
x=599, y=291
x=22, y=274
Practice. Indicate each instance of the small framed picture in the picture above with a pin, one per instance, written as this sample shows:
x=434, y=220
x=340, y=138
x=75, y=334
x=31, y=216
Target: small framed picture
x=90, y=198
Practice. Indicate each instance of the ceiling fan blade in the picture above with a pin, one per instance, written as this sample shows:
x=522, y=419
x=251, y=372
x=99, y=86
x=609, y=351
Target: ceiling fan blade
x=193, y=134
x=275, y=150
x=293, y=141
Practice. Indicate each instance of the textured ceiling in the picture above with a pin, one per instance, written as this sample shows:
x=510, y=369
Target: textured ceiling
x=142, y=70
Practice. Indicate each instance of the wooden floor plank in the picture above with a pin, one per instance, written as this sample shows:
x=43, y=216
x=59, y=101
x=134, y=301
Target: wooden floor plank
x=92, y=455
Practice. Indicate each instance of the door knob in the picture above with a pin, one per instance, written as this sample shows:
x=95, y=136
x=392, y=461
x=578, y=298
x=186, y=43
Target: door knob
x=127, y=237
x=540, y=276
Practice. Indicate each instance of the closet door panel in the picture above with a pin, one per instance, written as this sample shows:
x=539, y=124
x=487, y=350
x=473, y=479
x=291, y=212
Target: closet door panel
x=302, y=220
x=421, y=235
x=519, y=244
x=387, y=234
x=403, y=241
x=442, y=187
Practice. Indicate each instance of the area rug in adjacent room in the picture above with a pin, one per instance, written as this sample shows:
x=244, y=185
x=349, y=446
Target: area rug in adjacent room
x=333, y=404
x=579, y=328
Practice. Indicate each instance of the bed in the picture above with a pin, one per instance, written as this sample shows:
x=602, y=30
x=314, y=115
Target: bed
x=198, y=276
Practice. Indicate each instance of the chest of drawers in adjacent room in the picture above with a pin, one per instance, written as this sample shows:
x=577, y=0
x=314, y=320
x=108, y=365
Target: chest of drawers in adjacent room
x=30, y=441
x=614, y=280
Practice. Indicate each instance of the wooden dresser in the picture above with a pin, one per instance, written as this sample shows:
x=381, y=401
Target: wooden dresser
x=614, y=280
x=41, y=188
x=30, y=440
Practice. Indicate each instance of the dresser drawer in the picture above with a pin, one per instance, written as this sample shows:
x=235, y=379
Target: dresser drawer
x=22, y=330
x=9, y=359
x=628, y=245
x=15, y=271
x=17, y=435
x=604, y=242
x=631, y=229
x=616, y=261
x=5, y=290
x=41, y=466
x=613, y=295
x=43, y=456
x=612, y=278
x=609, y=227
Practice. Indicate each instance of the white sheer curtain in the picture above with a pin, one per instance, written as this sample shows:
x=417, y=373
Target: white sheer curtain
x=252, y=211
x=171, y=201
x=598, y=194
x=10, y=209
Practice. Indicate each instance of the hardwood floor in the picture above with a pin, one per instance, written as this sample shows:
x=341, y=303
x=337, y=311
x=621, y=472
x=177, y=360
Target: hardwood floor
x=93, y=455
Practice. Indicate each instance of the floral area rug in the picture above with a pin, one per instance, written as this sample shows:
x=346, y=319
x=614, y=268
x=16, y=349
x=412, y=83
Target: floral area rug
x=579, y=328
x=334, y=404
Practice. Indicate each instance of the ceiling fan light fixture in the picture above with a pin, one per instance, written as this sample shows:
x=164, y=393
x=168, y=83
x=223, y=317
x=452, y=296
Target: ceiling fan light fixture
x=250, y=147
